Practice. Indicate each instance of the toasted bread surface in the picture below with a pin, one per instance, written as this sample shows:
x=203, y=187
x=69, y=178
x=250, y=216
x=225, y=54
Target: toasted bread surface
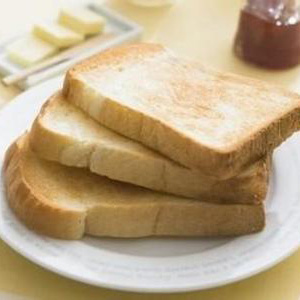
x=65, y=202
x=65, y=134
x=214, y=121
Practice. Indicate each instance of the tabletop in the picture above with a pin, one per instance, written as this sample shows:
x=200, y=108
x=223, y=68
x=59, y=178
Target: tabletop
x=199, y=29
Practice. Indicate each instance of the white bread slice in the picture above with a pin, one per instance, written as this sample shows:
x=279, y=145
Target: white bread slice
x=63, y=133
x=65, y=202
x=213, y=121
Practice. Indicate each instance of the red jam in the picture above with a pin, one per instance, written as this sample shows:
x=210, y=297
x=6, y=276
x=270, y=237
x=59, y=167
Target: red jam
x=269, y=34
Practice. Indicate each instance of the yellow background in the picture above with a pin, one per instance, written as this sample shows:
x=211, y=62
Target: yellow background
x=201, y=29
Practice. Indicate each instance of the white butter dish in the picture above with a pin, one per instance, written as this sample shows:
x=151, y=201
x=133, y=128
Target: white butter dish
x=119, y=29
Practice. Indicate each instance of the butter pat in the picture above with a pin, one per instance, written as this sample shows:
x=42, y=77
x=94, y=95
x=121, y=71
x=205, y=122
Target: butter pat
x=82, y=20
x=29, y=51
x=57, y=35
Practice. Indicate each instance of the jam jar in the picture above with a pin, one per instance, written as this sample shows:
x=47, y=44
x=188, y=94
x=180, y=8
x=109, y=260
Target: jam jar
x=268, y=33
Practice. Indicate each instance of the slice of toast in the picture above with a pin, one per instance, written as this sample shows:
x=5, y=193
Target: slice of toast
x=213, y=121
x=65, y=202
x=65, y=134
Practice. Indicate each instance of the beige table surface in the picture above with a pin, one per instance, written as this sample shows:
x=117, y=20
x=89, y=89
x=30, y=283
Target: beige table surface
x=199, y=29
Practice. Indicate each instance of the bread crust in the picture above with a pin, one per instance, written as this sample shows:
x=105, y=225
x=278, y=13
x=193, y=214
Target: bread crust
x=114, y=209
x=33, y=208
x=220, y=162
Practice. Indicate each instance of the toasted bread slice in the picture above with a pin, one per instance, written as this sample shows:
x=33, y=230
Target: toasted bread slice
x=65, y=134
x=213, y=121
x=65, y=202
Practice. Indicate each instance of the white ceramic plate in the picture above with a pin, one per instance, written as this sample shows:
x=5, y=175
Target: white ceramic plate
x=158, y=265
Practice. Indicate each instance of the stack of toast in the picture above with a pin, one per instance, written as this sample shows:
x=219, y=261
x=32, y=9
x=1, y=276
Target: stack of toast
x=140, y=142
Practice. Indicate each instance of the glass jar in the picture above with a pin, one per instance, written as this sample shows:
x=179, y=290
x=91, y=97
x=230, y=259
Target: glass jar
x=268, y=33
